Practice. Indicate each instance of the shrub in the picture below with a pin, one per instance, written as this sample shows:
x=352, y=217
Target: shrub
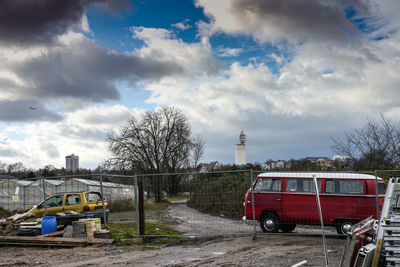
x=121, y=205
x=220, y=194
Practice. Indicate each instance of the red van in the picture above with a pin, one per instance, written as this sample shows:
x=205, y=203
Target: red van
x=282, y=200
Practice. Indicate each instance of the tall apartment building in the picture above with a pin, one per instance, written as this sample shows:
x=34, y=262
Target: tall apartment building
x=72, y=163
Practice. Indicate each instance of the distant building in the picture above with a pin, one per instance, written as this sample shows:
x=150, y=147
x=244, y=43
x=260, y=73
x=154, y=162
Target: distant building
x=280, y=164
x=72, y=163
x=322, y=162
x=206, y=167
x=240, y=150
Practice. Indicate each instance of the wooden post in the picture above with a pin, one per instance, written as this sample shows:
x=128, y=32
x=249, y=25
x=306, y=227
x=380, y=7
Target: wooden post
x=141, y=206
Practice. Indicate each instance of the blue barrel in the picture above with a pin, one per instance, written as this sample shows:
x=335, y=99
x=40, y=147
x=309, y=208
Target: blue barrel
x=49, y=225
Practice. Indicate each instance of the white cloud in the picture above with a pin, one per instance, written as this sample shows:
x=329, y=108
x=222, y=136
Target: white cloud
x=323, y=90
x=194, y=58
x=183, y=26
x=229, y=52
x=85, y=24
x=82, y=132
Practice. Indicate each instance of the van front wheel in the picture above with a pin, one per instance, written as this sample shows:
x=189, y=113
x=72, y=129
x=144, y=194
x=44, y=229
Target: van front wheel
x=269, y=223
x=342, y=227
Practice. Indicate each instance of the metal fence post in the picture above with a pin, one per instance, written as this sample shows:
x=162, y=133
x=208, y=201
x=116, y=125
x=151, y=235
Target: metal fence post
x=44, y=197
x=137, y=205
x=102, y=196
x=141, y=206
x=252, y=205
x=376, y=195
x=321, y=219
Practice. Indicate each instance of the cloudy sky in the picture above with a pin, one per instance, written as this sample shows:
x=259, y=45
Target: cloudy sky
x=290, y=73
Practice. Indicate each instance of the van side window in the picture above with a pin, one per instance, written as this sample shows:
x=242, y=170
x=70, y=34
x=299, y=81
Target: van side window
x=268, y=185
x=302, y=185
x=343, y=187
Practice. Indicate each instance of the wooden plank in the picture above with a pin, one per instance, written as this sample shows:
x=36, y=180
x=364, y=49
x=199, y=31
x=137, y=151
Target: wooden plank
x=52, y=234
x=52, y=241
x=65, y=245
x=60, y=239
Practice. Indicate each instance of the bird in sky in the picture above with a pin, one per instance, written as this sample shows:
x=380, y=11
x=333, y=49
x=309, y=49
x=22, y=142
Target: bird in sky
x=32, y=108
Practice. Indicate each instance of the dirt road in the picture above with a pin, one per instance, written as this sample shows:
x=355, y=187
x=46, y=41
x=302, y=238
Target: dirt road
x=191, y=221
x=266, y=250
x=233, y=251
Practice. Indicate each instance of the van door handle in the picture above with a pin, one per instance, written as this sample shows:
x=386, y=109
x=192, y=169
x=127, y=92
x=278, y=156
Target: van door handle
x=279, y=199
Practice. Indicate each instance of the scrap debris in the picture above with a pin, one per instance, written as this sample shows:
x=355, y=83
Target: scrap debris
x=25, y=230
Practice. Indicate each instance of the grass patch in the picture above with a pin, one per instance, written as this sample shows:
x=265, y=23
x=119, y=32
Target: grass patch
x=157, y=228
x=154, y=224
x=153, y=211
x=170, y=199
x=150, y=205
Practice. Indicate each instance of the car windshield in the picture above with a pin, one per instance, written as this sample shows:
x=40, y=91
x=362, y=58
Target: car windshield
x=55, y=201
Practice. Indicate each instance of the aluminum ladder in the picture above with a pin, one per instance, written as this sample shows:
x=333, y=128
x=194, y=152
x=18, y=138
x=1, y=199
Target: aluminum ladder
x=388, y=232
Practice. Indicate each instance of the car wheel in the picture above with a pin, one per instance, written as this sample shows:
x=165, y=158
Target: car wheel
x=288, y=227
x=269, y=223
x=343, y=227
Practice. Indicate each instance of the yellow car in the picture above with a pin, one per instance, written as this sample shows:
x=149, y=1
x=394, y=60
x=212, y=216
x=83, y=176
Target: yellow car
x=86, y=203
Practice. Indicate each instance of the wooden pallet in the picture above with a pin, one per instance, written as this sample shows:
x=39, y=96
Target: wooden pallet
x=52, y=241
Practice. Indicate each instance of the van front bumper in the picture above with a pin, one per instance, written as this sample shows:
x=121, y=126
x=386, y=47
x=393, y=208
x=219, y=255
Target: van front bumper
x=246, y=220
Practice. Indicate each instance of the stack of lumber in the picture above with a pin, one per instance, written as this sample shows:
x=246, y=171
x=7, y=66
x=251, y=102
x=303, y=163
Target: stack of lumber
x=52, y=241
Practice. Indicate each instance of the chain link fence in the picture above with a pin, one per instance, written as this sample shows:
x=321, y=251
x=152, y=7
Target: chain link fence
x=218, y=203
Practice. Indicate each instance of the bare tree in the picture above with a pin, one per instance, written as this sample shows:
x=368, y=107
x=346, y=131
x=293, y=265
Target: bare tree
x=157, y=142
x=198, y=151
x=374, y=146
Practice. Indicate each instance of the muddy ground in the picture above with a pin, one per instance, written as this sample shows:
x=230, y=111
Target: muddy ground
x=224, y=250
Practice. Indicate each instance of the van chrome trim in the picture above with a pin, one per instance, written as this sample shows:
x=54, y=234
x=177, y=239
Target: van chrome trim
x=319, y=175
x=313, y=194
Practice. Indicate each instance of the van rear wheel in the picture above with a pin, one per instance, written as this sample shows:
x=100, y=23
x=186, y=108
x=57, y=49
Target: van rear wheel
x=269, y=223
x=288, y=227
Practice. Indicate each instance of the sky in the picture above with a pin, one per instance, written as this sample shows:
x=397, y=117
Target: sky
x=291, y=74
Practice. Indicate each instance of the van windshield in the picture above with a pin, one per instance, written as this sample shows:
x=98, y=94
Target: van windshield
x=381, y=188
x=267, y=184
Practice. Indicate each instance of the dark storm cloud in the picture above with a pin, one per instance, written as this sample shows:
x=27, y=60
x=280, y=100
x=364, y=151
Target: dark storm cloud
x=84, y=71
x=314, y=19
x=26, y=22
x=26, y=110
